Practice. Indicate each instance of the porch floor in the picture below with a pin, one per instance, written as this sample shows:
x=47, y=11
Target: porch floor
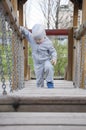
x=62, y=88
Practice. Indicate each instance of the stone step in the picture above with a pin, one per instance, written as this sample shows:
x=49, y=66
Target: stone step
x=42, y=121
x=63, y=98
x=43, y=104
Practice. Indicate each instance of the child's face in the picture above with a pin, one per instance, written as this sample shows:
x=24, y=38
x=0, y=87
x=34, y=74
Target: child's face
x=38, y=41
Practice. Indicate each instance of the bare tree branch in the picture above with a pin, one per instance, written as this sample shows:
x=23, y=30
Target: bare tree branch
x=56, y=17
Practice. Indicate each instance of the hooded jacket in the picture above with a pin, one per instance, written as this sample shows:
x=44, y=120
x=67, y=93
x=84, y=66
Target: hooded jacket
x=40, y=52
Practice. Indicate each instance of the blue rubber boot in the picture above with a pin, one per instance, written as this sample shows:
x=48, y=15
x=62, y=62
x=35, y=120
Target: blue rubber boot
x=50, y=85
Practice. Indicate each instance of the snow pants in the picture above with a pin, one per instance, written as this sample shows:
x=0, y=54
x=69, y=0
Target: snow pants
x=45, y=70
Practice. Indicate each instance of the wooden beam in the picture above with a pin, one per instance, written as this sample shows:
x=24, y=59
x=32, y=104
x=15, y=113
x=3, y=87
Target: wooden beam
x=75, y=15
x=26, y=66
x=70, y=55
x=15, y=5
x=83, y=46
x=75, y=24
x=8, y=8
x=71, y=51
x=20, y=14
x=57, y=32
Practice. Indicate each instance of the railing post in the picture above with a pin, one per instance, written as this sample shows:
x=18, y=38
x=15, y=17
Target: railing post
x=75, y=24
x=26, y=66
x=15, y=6
x=70, y=54
x=83, y=49
x=71, y=47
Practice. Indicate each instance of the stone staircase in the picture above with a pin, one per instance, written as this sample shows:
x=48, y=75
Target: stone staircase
x=61, y=108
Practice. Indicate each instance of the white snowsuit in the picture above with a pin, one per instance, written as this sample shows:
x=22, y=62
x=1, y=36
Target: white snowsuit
x=42, y=55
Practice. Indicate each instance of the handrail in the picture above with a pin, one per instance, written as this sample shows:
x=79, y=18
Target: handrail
x=8, y=8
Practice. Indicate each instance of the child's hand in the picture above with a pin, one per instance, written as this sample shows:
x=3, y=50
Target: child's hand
x=21, y=28
x=53, y=61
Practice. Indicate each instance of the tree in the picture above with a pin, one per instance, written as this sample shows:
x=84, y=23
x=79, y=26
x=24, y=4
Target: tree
x=50, y=9
x=61, y=48
x=55, y=14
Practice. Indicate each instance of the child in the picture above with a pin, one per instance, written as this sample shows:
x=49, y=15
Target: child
x=43, y=53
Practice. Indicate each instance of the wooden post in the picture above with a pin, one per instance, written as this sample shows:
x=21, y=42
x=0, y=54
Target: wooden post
x=15, y=6
x=71, y=53
x=75, y=23
x=75, y=15
x=26, y=66
x=83, y=45
x=20, y=13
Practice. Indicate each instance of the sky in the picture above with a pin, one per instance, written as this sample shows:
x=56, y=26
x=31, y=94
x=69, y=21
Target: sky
x=64, y=2
x=33, y=13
